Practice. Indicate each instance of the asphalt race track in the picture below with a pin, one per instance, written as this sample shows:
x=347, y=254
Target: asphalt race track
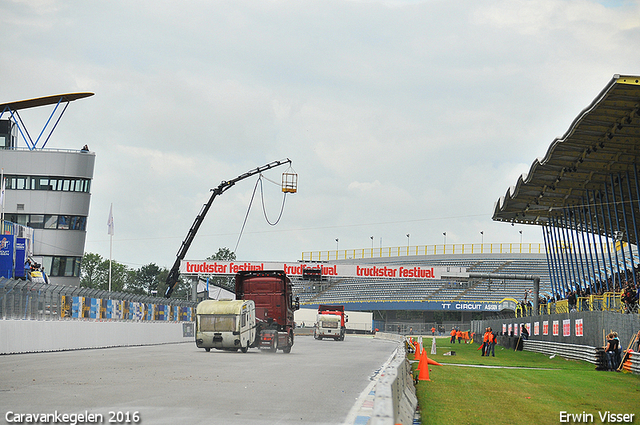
x=317, y=383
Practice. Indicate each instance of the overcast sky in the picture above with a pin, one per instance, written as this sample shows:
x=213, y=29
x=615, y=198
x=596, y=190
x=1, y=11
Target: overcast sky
x=400, y=117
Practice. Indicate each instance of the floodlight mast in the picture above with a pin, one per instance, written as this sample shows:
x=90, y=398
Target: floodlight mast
x=174, y=273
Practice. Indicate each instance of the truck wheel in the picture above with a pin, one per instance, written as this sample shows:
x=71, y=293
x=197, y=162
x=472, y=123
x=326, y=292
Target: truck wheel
x=274, y=348
x=207, y=349
x=244, y=349
x=287, y=349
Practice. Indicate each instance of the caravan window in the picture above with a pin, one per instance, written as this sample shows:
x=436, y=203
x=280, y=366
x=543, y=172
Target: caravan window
x=217, y=322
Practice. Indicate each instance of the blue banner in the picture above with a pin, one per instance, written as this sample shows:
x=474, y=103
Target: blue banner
x=6, y=256
x=21, y=248
x=453, y=305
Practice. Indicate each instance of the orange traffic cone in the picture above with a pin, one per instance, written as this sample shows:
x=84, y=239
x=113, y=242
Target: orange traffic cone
x=423, y=367
x=433, y=362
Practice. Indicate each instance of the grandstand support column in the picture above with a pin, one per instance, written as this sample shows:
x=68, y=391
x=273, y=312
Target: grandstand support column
x=533, y=278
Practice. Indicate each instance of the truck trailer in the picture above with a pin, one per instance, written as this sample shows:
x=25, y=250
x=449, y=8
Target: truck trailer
x=261, y=316
x=331, y=322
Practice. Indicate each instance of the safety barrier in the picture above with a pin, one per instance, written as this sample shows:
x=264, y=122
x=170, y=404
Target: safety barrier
x=633, y=363
x=568, y=351
x=28, y=336
x=34, y=301
x=395, y=399
x=593, y=355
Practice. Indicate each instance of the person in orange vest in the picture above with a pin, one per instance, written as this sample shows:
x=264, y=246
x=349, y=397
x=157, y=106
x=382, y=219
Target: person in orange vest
x=453, y=335
x=485, y=342
x=459, y=335
x=493, y=340
x=433, y=331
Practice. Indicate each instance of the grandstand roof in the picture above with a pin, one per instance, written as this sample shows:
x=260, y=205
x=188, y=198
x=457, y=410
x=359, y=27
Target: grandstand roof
x=603, y=141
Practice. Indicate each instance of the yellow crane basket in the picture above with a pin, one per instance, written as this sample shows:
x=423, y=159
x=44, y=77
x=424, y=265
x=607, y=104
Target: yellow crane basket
x=289, y=181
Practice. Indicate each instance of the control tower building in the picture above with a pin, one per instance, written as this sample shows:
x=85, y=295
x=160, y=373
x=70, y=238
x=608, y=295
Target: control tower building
x=47, y=189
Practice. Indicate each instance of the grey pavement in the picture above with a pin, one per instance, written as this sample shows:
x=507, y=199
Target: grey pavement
x=319, y=382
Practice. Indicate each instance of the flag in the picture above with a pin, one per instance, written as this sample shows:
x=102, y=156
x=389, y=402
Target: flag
x=110, y=221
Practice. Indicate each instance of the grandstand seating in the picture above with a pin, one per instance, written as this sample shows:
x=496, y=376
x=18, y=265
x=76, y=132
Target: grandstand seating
x=337, y=290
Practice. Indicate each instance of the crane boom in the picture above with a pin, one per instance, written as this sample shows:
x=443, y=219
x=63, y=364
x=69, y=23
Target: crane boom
x=174, y=273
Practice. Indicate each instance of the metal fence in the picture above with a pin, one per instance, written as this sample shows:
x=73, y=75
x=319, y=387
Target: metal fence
x=442, y=249
x=580, y=328
x=34, y=301
x=609, y=301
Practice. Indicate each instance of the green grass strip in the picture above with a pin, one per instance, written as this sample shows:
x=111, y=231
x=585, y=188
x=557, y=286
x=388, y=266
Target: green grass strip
x=524, y=395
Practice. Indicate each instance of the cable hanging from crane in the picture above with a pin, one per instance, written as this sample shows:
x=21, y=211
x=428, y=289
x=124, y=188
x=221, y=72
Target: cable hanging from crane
x=264, y=211
x=284, y=197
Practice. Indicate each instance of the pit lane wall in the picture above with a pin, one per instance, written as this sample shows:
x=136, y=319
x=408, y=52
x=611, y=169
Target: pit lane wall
x=29, y=336
x=395, y=399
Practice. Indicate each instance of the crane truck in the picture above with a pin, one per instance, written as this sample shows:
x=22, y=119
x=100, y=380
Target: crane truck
x=174, y=273
x=261, y=316
x=330, y=322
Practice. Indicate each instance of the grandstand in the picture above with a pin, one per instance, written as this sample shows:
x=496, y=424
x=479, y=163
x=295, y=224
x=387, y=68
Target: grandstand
x=584, y=195
x=413, y=294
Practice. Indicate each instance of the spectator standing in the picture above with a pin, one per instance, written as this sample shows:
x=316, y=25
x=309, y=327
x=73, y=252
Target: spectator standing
x=492, y=343
x=524, y=332
x=612, y=349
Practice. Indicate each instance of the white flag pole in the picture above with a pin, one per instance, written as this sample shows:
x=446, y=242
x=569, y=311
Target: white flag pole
x=110, y=252
x=110, y=231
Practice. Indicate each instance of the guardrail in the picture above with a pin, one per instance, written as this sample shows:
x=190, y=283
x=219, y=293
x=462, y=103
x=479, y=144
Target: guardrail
x=568, y=351
x=34, y=301
x=634, y=364
x=395, y=399
x=593, y=355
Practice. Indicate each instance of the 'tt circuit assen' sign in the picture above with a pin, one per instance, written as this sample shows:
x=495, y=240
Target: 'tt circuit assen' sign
x=344, y=270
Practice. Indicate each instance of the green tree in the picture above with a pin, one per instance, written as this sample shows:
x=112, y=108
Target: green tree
x=182, y=289
x=90, y=274
x=145, y=280
x=119, y=276
x=226, y=282
x=94, y=273
x=223, y=254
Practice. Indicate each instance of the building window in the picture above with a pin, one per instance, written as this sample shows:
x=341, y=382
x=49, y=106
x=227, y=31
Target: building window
x=63, y=222
x=49, y=222
x=61, y=266
x=14, y=182
x=36, y=221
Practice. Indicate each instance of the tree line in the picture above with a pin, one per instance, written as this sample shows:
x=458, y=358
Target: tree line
x=149, y=279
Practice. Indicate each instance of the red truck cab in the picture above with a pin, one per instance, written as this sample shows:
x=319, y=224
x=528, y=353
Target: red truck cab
x=272, y=293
